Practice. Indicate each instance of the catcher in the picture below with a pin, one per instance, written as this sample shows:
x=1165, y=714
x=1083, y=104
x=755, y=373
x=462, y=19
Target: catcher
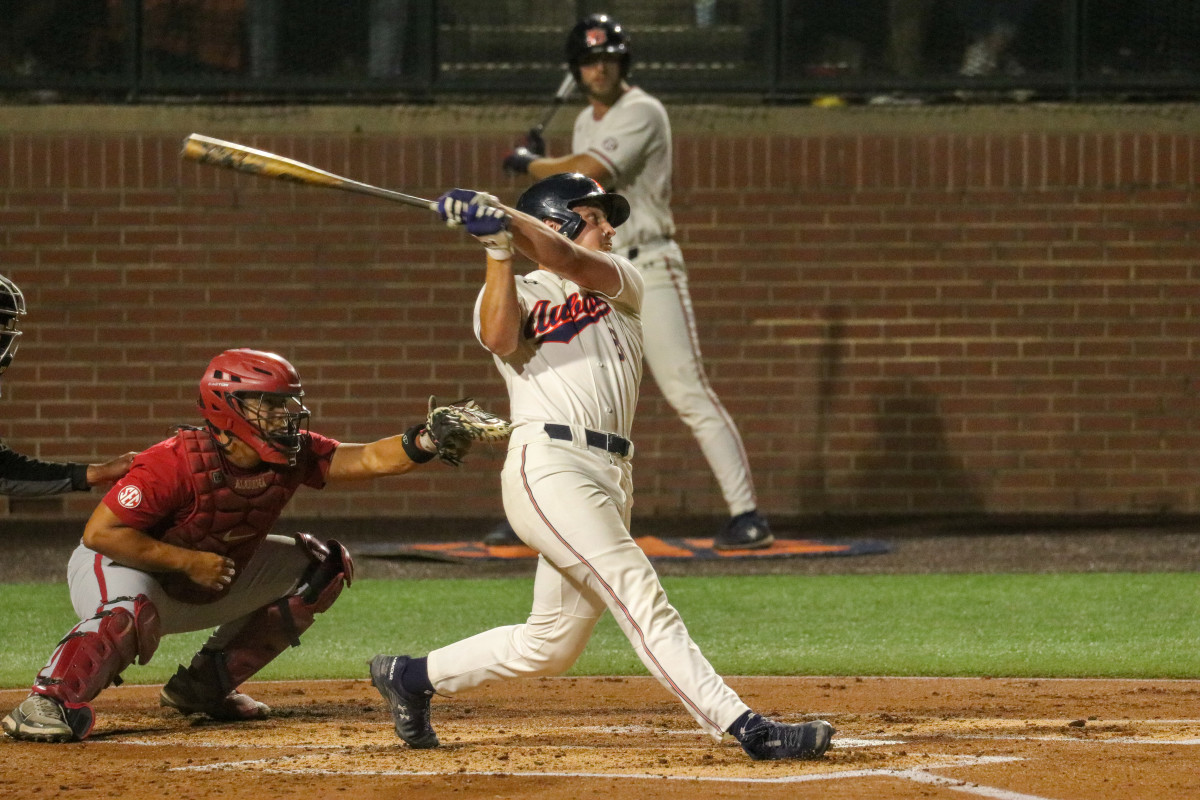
x=182, y=543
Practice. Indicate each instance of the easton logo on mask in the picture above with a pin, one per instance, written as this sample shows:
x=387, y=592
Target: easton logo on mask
x=564, y=322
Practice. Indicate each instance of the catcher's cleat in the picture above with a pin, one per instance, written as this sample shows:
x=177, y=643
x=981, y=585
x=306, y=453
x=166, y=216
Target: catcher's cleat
x=748, y=531
x=767, y=740
x=43, y=719
x=187, y=696
x=409, y=711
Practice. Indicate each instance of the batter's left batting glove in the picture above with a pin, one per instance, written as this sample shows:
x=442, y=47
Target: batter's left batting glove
x=519, y=159
x=480, y=213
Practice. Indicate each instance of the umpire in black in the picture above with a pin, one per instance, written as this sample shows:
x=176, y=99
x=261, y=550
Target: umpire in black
x=30, y=477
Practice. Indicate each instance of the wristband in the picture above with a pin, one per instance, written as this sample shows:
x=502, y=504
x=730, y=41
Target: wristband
x=79, y=478
x=413, y=450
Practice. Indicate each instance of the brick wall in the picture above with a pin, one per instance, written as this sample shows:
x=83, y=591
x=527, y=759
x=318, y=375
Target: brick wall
x=990, y=310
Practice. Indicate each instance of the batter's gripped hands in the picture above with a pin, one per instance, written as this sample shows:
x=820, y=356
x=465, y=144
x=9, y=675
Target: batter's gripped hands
x=210, y=570
x=518, y=160
x=110, y=471
x=483, y=218
x=463, y=206
x=533, y=142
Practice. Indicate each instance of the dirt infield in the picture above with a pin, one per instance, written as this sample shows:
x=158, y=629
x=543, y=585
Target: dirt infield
x=898, y=738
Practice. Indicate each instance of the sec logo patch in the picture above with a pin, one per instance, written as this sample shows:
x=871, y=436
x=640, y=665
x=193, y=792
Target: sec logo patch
x=130, y=497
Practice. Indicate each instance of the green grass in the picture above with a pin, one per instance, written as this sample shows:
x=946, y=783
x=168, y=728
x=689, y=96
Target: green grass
x=1065, y=625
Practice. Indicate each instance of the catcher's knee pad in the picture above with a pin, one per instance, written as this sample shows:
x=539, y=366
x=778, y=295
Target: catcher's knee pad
x=332, y=568
x=94, y=654
x=273, y=628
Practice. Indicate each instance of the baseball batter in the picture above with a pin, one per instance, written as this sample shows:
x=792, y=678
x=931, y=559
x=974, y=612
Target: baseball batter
x=567, y=338
x=622, y=140
x=31, y=477
x=182, y=543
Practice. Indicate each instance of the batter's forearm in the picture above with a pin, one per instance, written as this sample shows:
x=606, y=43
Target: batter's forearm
x=575, y=162
x=500, y=311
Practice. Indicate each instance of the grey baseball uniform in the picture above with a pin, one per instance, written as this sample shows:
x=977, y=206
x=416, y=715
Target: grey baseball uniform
x=633, y=141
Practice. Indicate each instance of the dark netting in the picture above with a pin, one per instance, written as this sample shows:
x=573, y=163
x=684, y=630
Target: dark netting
x=512, y=50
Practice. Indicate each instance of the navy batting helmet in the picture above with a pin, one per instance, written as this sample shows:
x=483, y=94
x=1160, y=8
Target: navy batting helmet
x=12, y=307
x=257, y=397
x=597, y=34
x=556, y=196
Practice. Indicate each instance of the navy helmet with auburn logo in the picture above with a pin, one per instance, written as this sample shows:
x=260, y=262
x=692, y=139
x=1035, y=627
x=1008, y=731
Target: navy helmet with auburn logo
x=555, y=198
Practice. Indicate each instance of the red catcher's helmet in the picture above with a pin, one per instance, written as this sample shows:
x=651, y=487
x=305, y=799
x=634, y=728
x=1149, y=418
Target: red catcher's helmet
x=257, y=398
x=597, y=34
x=12, y=307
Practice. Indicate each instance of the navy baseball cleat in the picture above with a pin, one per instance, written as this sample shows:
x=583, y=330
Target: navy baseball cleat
x=748, y=531
x=409, y=711
x=502, y=536
x=189, y=695
x=767, y=740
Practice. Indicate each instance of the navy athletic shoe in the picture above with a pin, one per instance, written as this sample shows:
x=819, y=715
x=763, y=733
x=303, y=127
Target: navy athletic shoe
x=748, y=531
x=502, y=535
x=409, y=711
x=767, y=740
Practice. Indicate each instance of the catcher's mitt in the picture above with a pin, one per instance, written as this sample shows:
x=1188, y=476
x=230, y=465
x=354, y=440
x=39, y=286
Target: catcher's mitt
x=455, y=426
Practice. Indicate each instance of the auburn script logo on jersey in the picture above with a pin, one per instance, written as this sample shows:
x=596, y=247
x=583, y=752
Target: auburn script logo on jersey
x=563, y=322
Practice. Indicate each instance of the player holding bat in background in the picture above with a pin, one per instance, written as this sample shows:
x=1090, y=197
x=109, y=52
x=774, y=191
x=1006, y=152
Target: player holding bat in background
x=567, y=339
x=622, y=140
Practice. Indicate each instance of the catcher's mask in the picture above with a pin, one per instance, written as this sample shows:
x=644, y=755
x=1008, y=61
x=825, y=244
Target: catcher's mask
x=257, y=398
x=12, y=307
x=556, y=196
x=597, y=34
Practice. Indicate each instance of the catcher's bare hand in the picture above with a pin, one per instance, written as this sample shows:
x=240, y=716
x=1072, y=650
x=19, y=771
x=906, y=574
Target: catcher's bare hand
x=210, y=570
x=454, y=427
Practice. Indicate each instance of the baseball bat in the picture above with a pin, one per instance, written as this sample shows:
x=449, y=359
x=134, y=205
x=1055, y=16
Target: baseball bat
x=206, y=150
x=564, y=91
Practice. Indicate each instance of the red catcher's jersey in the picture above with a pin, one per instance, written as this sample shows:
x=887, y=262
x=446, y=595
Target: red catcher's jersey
x=182, y=492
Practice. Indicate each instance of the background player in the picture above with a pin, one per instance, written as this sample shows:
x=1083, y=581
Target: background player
x=622, y=140
x=30, y=477
x=181, y=544
x=567, y=339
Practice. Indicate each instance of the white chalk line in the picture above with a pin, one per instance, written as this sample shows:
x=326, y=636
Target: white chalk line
x=958, y=761
x=1014, y=737
x=921, y=775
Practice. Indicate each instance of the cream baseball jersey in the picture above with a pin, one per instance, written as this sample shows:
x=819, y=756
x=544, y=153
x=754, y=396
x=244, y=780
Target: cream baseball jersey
x=580, y=356
x=633, y=141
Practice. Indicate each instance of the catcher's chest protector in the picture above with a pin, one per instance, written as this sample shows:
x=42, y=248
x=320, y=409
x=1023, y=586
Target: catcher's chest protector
x=230, y=516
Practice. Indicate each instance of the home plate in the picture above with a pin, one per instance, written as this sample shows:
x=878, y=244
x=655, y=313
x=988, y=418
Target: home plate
x=842, y=744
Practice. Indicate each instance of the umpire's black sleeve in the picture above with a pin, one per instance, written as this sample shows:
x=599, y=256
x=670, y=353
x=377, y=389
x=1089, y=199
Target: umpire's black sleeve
x=28, y=477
